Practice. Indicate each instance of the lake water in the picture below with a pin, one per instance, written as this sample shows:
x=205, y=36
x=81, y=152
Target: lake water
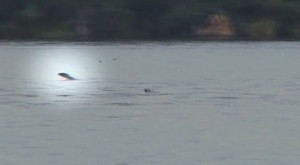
x=210, y=103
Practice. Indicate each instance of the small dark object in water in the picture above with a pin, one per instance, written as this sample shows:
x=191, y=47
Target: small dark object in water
x=67, y=76
x=100, y=61
x=147, y=90
x=114, y=59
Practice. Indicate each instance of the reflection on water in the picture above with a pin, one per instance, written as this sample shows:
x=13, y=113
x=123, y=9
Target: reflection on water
x=187, y=73
x=209, y=103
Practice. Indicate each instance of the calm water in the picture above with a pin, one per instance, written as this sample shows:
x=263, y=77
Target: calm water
x=211, y=103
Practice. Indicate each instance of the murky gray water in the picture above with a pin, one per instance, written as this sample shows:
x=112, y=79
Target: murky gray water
x=211, y=103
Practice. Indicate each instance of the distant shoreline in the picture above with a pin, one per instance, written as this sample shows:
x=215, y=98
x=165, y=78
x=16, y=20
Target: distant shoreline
x=204, y=39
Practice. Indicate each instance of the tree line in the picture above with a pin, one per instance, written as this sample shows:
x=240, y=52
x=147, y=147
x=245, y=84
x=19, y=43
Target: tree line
x=144, y=19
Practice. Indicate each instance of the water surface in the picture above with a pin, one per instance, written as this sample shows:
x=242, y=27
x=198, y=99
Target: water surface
x=232, y=103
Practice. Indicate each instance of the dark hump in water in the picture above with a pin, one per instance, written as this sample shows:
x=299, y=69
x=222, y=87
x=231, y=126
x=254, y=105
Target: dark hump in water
x=147, y=90
x=67, y=76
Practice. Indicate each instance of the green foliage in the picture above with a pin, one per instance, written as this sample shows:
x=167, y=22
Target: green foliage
x=179, y=20
x=110, y=22
x=263, y=28
x=137, y=19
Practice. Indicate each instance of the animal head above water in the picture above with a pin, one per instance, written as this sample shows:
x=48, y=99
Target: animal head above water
x=66, y=76
x=147, y=90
